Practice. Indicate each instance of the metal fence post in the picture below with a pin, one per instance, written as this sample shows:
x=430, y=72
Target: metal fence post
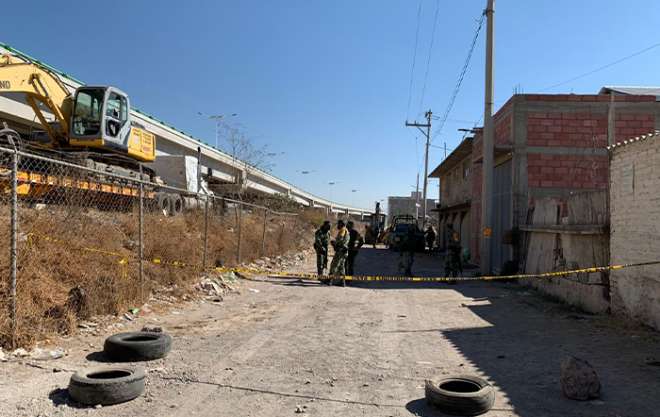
x=263, y=234
x=239, y=210
x=141, y=239
x=206, y=231
x=13, y=251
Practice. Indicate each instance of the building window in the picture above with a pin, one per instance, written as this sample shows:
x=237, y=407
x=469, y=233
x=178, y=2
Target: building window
x=466, y=170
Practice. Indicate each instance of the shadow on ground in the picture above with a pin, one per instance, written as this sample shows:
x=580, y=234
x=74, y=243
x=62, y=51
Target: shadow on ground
x=529, y=335
x=525, y=338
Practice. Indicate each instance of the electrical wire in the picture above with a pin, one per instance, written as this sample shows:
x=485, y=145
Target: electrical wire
x=412, y=68
x=461, y=76
x=428, y=60
x=611, y=64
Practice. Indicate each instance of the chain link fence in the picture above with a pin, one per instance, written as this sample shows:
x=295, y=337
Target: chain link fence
x=87, y=238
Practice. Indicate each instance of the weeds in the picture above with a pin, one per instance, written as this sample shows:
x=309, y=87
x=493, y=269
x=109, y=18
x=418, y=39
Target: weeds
x=74, y=263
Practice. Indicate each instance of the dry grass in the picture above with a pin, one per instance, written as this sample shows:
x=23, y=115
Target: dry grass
x=62, y=281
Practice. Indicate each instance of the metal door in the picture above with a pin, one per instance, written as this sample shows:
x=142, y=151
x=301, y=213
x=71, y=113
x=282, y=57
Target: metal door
x=502, y=215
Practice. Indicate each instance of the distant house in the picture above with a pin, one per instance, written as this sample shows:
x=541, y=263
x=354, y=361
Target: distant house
x=412, y=205
x=455, y=175
x=546, y=146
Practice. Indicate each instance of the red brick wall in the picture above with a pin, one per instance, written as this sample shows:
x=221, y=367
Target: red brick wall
x=583, y=129
x=630, y=125
x=567, y=171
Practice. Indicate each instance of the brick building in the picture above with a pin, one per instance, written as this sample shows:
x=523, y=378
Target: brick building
x=455, y=174
x=551, y=146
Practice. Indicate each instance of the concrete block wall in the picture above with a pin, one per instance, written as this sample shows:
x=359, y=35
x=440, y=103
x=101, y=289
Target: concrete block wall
x=635, y=229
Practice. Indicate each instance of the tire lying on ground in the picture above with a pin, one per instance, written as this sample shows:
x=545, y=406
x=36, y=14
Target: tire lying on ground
x=460, y=395
x=107, y=385
x=137, y=346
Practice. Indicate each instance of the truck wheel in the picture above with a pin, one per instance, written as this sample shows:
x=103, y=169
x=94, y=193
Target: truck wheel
x=460, y=395
x=163, y=203
x=106, y=386
x=176, y=205
x=137, y=346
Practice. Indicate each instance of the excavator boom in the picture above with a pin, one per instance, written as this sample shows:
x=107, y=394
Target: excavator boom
x=42, y=89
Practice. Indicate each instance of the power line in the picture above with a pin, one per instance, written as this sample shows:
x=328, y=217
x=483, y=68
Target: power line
x=412, y=68
x=461, y=76
x=618, y=61
x=428, y=61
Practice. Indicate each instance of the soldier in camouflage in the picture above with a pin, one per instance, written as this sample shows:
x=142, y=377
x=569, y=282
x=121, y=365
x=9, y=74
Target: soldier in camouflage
x=340, y=244
x=321, y=241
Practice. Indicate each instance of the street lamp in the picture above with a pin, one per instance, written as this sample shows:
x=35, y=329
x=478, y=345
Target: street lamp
x=218, y=121
x=331, y=183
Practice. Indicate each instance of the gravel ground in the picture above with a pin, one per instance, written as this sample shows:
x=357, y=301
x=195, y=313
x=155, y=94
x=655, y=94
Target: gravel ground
x=281, y=348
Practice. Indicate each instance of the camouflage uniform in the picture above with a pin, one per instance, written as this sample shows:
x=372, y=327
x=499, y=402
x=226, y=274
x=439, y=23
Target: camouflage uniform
x=407, y=253
x=321, y=241
x=355, y=242
x=338, y=265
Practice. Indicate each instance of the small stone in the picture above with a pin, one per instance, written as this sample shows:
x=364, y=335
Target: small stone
x=97, y=406
x=299, y=410
x=579, y=380
x=150, y=328
x=20, y=352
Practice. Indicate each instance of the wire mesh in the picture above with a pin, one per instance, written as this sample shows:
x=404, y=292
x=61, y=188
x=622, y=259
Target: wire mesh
x=78, y=240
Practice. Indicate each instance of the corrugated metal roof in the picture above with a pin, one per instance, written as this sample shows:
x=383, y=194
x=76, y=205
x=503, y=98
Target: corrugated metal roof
x=631, y=90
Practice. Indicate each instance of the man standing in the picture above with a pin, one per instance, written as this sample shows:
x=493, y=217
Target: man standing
x=407, y=252
x=355, y=242
x=321, y=241
x=340, y=244
x=430, y=237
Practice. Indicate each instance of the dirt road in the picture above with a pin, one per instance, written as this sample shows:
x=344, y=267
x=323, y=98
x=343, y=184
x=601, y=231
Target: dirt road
x=364, y=350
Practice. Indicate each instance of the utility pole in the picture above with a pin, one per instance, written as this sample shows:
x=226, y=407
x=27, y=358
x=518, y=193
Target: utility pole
x=426, y=133
x=417, y=199
x=488, y=150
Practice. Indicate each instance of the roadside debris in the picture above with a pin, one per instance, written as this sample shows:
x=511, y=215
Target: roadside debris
x=215, y=286
x=106, y=386
x=151, y=328
x=254, y=290
x=137, y=346
x=461, y=395
x=44, y=354
x=37, y=354
x=579, y=380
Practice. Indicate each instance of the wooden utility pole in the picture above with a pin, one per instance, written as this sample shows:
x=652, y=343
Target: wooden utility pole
x=488, y=150
x=426, y=133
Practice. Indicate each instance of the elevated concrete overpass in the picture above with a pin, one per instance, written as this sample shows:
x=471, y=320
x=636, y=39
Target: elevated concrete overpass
x=216, y=164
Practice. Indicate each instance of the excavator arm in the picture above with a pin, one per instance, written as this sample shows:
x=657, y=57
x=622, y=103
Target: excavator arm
x=42, y=89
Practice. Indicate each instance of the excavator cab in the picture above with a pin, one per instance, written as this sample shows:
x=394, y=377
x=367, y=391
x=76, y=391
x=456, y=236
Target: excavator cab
x=100, y=119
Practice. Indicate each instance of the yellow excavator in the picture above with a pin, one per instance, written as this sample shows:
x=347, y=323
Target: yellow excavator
x=94, y=120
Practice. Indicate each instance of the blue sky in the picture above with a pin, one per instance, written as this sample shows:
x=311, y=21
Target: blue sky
x=327, y=83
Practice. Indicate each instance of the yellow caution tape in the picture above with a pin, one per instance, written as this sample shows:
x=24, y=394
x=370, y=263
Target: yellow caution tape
x=294, y=275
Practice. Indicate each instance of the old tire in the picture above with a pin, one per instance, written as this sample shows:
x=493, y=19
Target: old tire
x=106, y=386
x=461, y=395
x=137, y=346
